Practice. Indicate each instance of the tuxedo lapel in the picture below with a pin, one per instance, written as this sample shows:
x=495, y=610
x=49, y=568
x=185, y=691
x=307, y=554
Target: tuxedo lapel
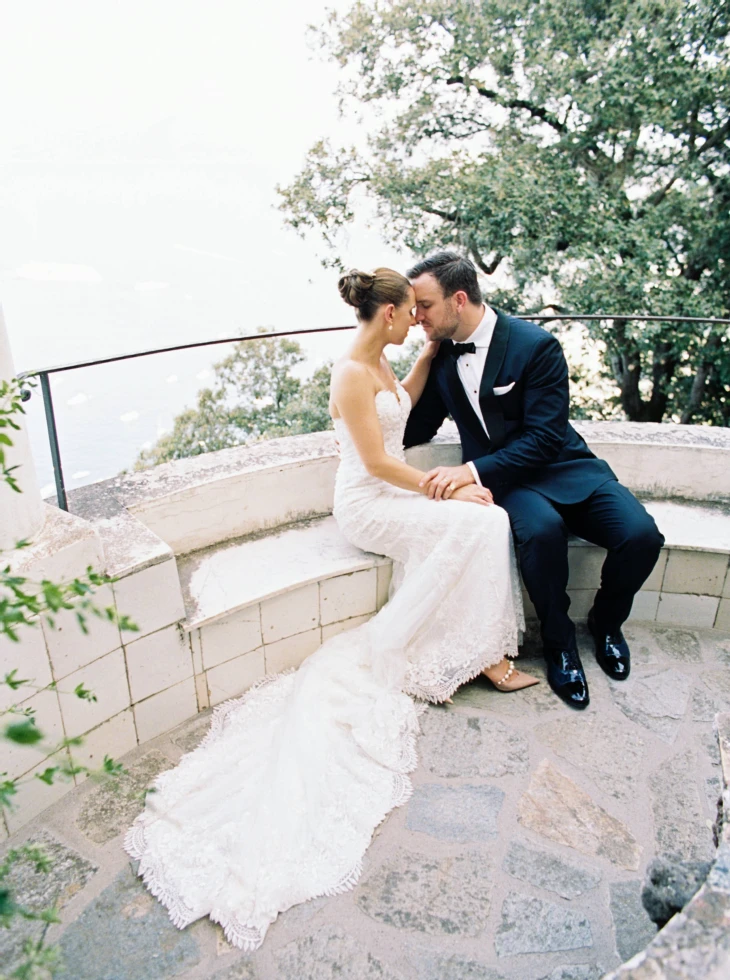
x=489, y=402
x=462, y=412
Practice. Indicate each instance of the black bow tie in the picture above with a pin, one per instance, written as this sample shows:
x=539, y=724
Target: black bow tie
x=458, y=349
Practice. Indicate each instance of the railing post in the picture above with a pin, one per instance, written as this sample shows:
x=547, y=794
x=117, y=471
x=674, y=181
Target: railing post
x=53, y=440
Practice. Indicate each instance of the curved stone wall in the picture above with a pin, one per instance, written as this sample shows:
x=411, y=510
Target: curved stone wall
x=199, y=502
x=141, y=527
x=144, y=527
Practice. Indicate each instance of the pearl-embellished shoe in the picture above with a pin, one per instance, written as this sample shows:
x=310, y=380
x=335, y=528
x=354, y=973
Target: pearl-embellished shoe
x=512, y=679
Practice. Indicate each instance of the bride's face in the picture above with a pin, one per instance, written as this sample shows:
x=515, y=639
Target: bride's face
x=404, y=317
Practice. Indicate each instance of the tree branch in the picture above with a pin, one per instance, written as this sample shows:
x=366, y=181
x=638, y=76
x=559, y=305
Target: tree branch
x=719, y=136
x=488, y=268
x=538, y=112
x=663, y=368
x=626, y=366
x=446, y=215
x=626, y=165
x=658, y=196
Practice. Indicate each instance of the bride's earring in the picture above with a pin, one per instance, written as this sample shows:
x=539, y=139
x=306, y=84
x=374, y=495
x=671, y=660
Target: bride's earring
x=390, y=325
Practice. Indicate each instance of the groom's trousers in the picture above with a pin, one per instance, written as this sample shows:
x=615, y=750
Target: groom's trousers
x=611, y=518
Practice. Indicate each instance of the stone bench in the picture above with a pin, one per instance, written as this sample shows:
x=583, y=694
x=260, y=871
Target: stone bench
x=232, y=567
x=264, y=603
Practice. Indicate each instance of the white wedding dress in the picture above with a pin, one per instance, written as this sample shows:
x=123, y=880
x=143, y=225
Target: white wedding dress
x=279, y=802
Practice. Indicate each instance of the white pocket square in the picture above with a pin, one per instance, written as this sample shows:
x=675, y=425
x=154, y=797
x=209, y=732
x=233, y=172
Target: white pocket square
x=504, y=389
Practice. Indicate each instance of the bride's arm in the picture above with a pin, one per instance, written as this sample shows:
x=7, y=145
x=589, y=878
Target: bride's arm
x=415, y=380
x=353, y=392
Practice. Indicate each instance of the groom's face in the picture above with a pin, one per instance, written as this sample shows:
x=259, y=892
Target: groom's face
x=436, y=314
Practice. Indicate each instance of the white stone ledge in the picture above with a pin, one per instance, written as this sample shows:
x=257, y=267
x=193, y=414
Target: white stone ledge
x=264, y=588
x=194, y=503
x=663, y=460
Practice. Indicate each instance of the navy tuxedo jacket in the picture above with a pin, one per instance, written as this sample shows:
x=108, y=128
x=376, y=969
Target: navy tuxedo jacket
x=531, y=443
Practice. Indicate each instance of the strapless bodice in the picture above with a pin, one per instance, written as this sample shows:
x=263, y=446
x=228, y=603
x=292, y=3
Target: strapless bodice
x=393, y=410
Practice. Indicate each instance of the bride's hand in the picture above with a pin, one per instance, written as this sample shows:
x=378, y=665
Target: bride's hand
x=473, y=495
x=443, y=480
x=430, y=349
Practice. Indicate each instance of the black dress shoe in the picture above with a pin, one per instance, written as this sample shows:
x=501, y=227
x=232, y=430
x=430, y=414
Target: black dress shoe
x=565, y=676
x=612, y=651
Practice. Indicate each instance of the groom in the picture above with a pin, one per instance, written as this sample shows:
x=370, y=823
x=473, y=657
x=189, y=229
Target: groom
x=504, y=382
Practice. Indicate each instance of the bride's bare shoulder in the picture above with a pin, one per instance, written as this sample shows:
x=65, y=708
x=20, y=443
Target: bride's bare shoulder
x=348, y=371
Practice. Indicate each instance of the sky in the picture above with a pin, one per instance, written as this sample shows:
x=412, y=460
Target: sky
x=92, y=78
x=140, y=147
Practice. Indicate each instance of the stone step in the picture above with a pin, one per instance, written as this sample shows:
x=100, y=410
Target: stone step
x=692, y=526
x=221, y=580
x=226, y=578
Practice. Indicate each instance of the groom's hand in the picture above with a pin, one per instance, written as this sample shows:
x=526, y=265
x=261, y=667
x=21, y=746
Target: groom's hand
x=443, y=480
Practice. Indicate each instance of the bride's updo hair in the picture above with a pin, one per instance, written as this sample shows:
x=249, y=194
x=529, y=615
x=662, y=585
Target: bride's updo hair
x=366, y=291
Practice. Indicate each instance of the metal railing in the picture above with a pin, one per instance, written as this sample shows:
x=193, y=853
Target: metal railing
x=44, y=374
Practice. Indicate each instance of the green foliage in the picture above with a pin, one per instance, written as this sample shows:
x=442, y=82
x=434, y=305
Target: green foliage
x=22, y=605
x=582, y=146
x=39, y=961
x=82, y=692
x=11, y=403
x=24, y=732
x=405, y=358
x=254, y=396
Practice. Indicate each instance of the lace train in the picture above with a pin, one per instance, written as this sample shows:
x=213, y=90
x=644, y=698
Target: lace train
x=299, y=823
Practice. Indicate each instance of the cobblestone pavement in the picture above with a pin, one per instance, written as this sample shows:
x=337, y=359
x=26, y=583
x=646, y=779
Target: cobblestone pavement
x=520, y=855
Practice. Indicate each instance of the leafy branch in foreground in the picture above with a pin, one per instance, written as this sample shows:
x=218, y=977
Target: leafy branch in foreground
x=23, y=602
x=11, y=403
x=23, y=605
x=39, y=960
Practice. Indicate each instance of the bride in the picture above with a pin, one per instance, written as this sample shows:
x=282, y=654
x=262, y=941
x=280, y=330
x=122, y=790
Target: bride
x=279, y=802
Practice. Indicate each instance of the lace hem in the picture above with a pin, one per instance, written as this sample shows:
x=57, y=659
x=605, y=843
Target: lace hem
x=464, y=673
x=246, y=935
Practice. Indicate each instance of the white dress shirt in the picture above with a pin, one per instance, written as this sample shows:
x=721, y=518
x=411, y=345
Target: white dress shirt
x=470, y=368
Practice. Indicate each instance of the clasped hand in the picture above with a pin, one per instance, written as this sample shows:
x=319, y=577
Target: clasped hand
x=455, y=483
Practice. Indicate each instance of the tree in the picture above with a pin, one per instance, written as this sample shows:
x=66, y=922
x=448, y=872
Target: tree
x=581, y=145
x=404, y=360
x=254, y=397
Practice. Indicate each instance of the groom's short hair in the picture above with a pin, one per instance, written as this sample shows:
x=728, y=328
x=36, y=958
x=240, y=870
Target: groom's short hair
x=453, y=273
